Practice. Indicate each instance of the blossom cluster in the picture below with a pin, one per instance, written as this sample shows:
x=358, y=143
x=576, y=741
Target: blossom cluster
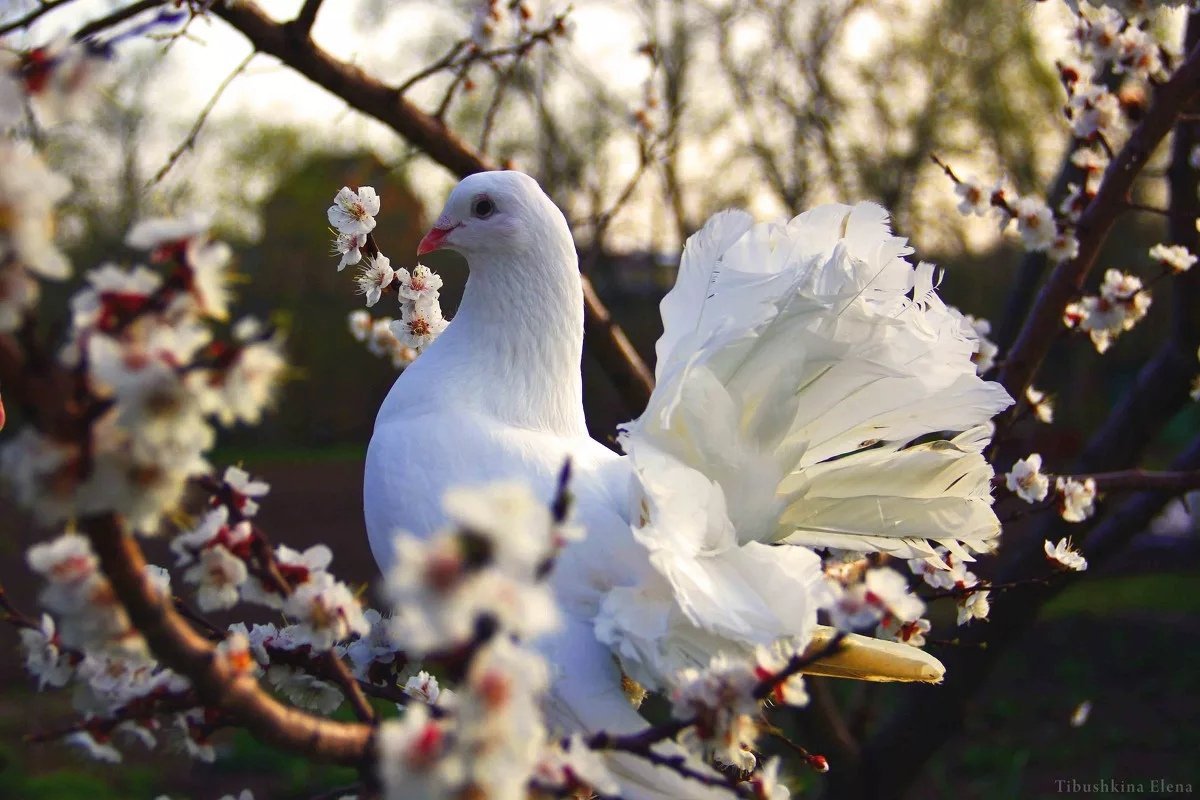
x=476, y=574
x=89, y=644
x=225, y=560
x=154, y=378
x=1035, y=221
x=722, y=700
x=352, y=216
x=947, y=572
x=881, y=598
x=1121, y=303
x=472, y=596
x=1076, y=498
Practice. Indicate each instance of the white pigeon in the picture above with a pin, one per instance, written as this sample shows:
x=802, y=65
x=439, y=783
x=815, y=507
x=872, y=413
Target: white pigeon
x=798, y=364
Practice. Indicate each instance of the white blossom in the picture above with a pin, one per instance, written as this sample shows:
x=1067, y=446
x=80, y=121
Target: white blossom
x=438, y=595
x=420, y=286
x=1094, y=162
x=360, y=323
x=29, y=193
x=1041, y=404
x=973, y=197
x=721, y=698
x=1138, y=54
x=43, y=657
x=1094, y=110
x=765, y=783
x=772, y=660
x=943, y=570
x=1121, y=304
x=973, y=606
x=423, y=687
x=419, y=326
x=1077, y=497
x=1026, y=480
x=96, y=749
x=985, y=356
x=1177, y=258
x=912, y=633
x=1065, y=555
x=217, y=576
x=234, y=651
x=244, y=490
x=215, y=522
x=411, y=757
x=375, y=647
x=349, y=247
x=516, y=524
x=500, y=734
x=1064, y=247
x=304, y=690
x=245, y=387
x=157, y=232
x=882, y=593
x=326, y=612
x=354, y=212
x=1035, y=222
x=374, y=278
x=63, y=79
x=571, y=765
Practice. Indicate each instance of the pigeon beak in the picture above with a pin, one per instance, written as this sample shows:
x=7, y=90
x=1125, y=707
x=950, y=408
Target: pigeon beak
x=436, y=238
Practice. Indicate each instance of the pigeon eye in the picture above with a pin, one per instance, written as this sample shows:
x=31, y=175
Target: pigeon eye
x=483, y=208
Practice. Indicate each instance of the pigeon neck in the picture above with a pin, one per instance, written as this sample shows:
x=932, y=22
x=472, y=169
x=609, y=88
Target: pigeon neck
x=518, y=337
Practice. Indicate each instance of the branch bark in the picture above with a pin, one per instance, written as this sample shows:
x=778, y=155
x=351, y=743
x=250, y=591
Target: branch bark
x=1066, y=281
x=924, y=718
x=218, y=685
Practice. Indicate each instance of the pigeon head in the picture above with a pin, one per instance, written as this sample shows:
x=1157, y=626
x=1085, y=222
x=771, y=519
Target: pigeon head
x=497, y=213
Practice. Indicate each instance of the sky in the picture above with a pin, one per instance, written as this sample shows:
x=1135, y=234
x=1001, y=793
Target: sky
x=606, y=35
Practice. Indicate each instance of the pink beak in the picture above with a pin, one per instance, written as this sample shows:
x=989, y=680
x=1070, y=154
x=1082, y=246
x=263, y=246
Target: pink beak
x=436, y=238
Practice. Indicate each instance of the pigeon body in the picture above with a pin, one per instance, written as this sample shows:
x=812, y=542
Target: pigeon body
x=798, y=363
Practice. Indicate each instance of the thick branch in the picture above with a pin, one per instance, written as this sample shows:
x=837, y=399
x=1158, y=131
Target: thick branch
x=606, y=341
x=1094, y=226
x=923, y=719
x=217, y=684
x=304, y=21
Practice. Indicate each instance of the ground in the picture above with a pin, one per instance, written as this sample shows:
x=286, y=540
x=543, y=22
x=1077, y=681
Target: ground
x=1129, y=643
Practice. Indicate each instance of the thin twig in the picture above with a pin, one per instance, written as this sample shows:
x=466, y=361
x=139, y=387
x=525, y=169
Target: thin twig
x=1134, y=479
x=115, y=18
x=190, y=142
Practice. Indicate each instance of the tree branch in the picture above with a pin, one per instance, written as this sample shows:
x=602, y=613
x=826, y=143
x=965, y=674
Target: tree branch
x=304, y=20
x=217, y=684
x=190, y=141
x=923, y=720
x=1094, y=226
x=1135, y=479
x=115, y=18
x=606, y=341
